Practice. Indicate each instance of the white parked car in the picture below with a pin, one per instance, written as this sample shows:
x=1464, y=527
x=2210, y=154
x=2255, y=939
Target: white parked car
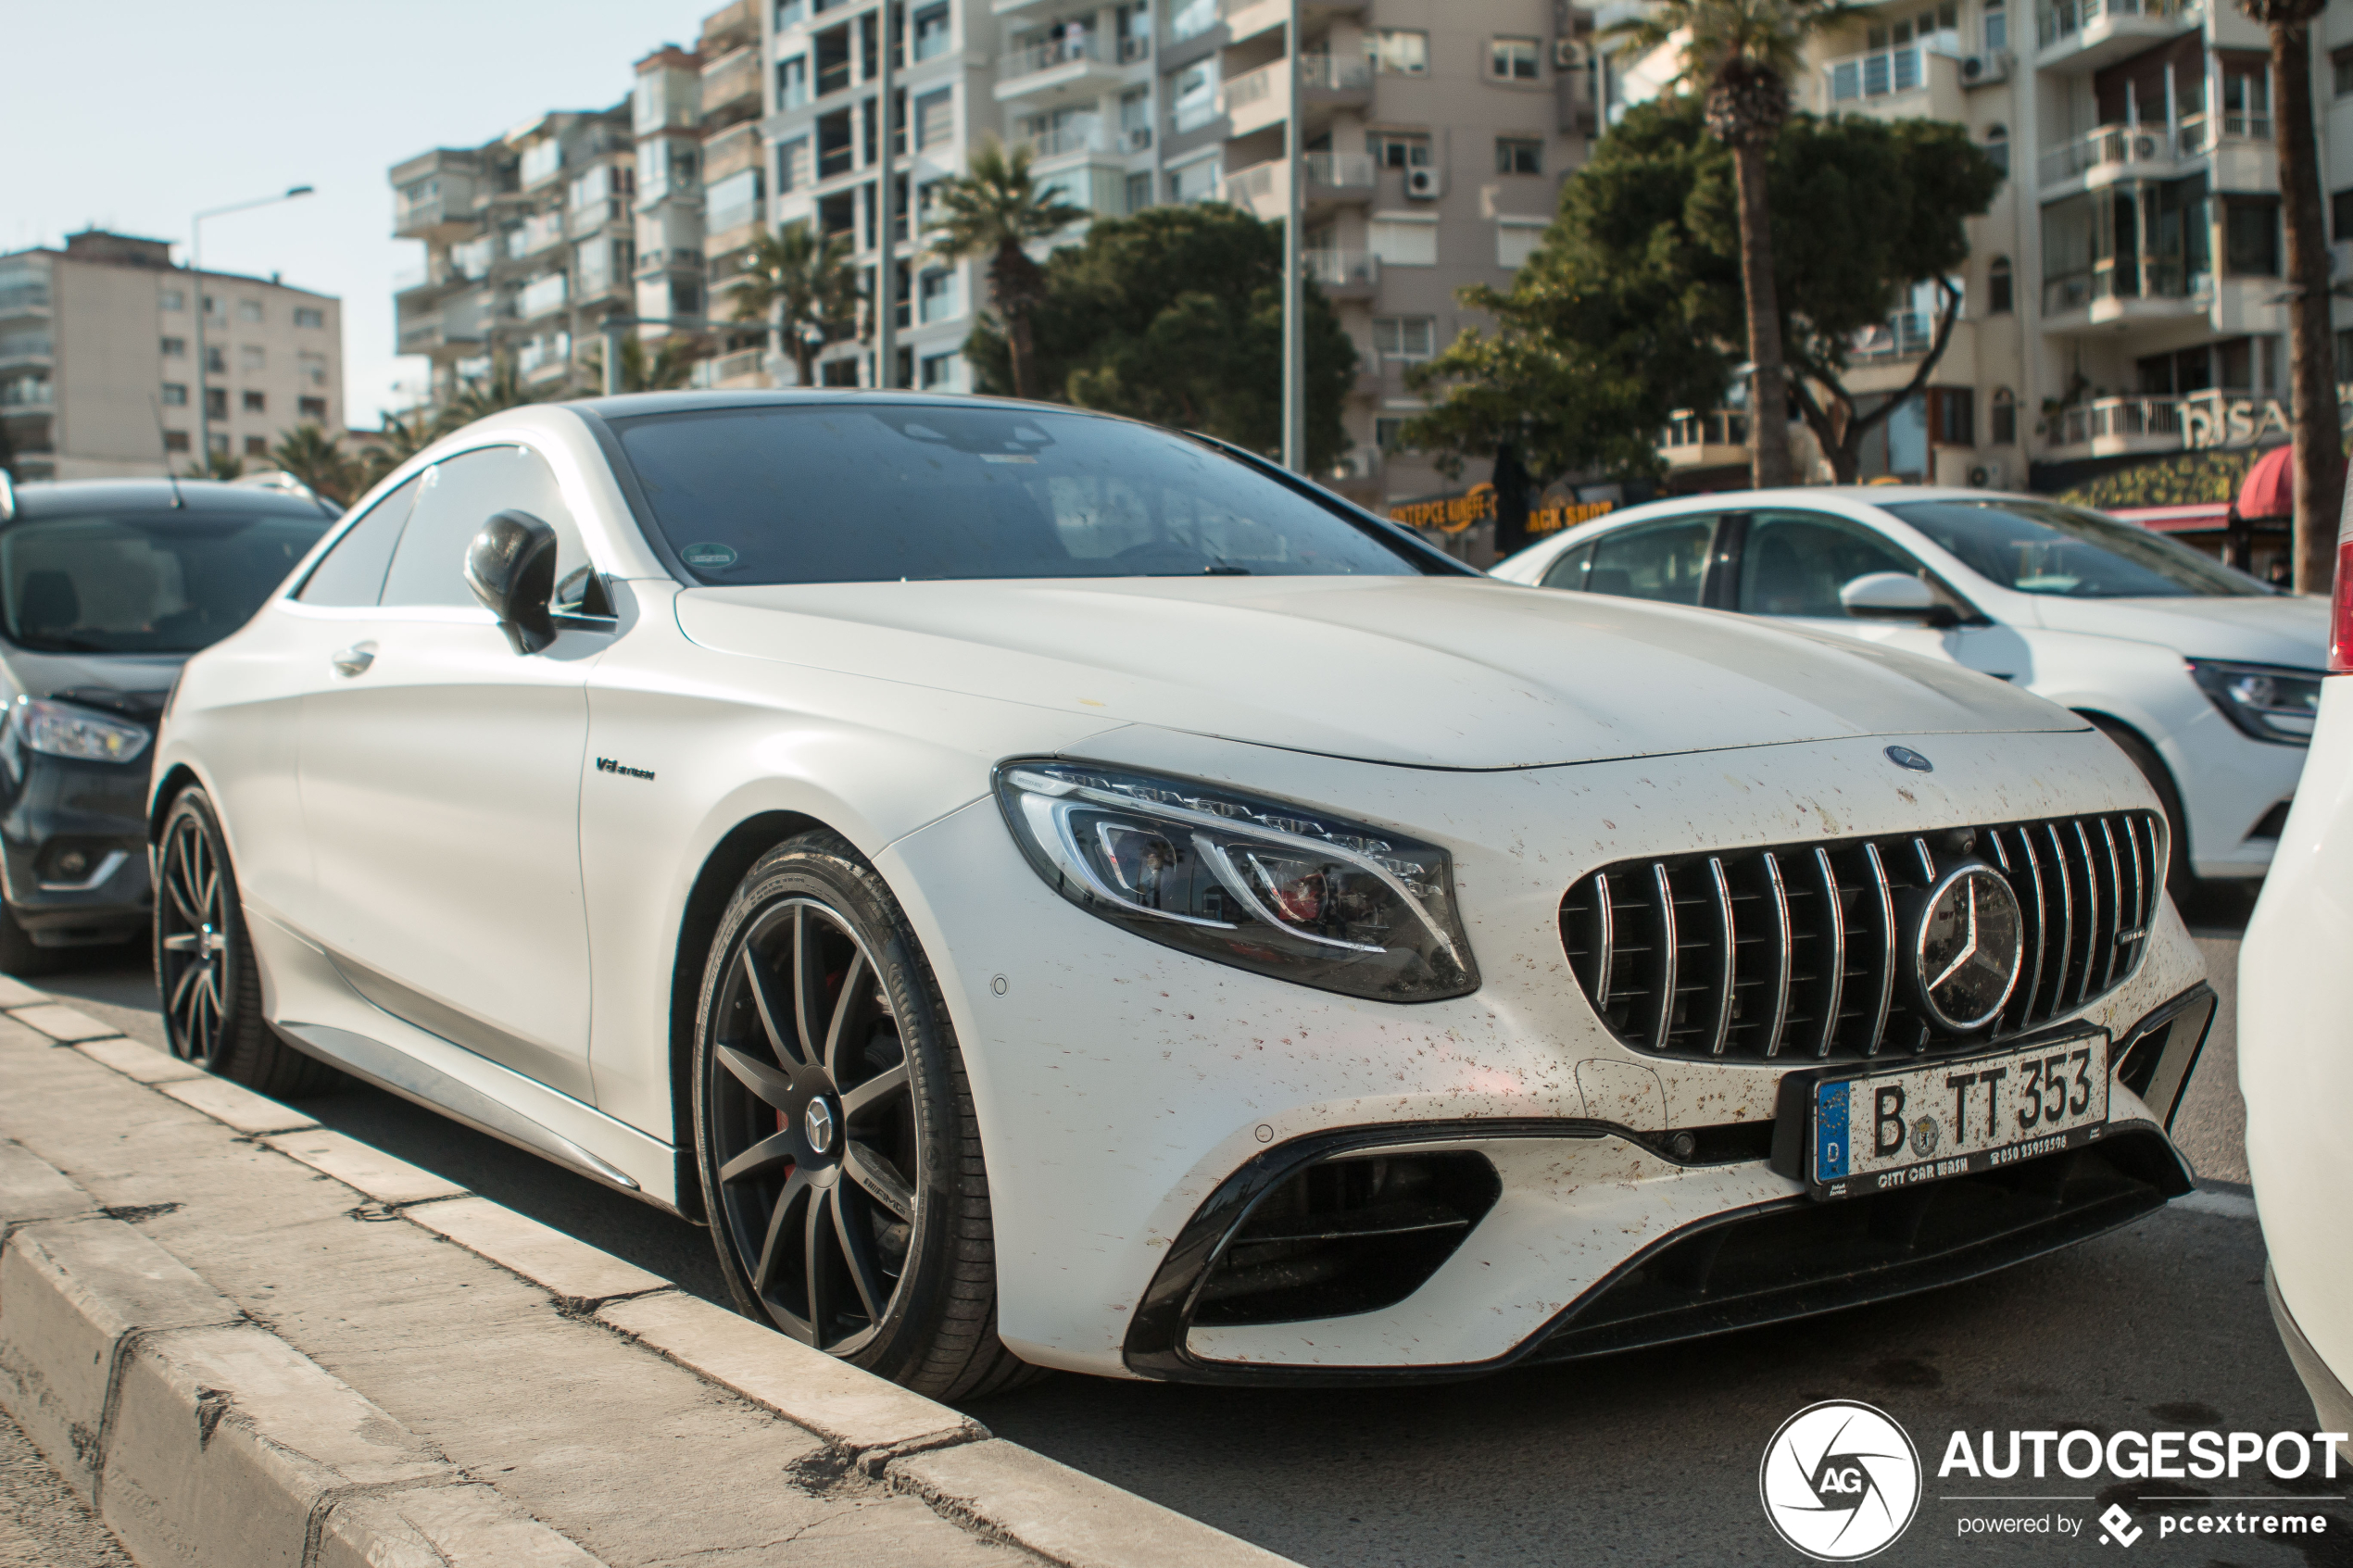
x=2296, y=994
x=2205, y=677
x=1055, y=892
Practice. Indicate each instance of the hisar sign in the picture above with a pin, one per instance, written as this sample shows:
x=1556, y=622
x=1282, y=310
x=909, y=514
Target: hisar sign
x=2243, y=422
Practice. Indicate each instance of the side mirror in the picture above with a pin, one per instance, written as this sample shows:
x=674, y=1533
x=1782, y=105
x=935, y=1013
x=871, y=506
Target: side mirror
x=511, y=568
x=1895, y=596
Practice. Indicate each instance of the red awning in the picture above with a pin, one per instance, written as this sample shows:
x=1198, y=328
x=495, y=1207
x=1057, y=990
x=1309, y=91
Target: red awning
x=2190, y=518
x=2270, y=490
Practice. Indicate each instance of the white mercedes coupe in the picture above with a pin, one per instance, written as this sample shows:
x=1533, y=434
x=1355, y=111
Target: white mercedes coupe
x=1051, y=892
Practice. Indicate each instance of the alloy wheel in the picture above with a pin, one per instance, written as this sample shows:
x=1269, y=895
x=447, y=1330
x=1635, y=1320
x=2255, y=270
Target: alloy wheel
x=195, y=953
x=813, y=1126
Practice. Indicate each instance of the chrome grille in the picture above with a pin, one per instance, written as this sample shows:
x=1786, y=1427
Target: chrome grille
x=1791, y=952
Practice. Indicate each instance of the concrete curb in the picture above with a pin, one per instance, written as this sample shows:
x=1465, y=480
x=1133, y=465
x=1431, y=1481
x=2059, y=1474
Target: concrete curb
x=123, y=1317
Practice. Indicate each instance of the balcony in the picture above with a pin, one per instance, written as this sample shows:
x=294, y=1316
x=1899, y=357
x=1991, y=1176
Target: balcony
x=683, y=263
x=1259, y=98
x=731, y=88
x=1332, y=178
x=2115, y=426
x=591, y=217
x=1915, y=81
x=1716, y=439
x=2123, y=292
x=434, y=218
x=1069, y=142
x=731, y=26
x=544, y=296
x=1064, y=68
x=1344, y=274
x=2082, y=35
x=2114, y=151
x=1908, y=334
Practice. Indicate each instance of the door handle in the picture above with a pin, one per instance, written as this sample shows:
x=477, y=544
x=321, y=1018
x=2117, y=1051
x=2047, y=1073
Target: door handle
x=355, y=660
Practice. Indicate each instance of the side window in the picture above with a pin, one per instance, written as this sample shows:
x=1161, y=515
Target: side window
x=353, y=572
x=1794, y=563
x=1568, y=571
x=1656, y=560
x=460, y=494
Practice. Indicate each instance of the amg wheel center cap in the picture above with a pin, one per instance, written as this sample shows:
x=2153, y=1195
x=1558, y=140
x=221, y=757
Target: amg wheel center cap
x=1968, y=942
x=817, y=1123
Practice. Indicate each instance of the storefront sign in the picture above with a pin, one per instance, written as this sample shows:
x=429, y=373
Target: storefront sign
x=1452, y=514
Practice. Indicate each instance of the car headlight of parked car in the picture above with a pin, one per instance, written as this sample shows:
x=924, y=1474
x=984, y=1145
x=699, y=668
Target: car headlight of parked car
x=61, y=730
x=2265, y=700
x=1280, y=889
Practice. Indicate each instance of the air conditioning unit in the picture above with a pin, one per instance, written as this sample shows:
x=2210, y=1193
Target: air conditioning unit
x=1983, y=71
x=1568, y=53
x=1139, y=138
x=1987, y=475
x=1424, y=182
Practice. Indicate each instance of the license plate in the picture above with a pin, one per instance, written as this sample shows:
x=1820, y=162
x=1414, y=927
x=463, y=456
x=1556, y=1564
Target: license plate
x=1879, y=1131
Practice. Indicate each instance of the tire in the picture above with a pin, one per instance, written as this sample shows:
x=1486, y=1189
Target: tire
x=19, y=956
x=2180, y=883
x=834, y=1126
x=207, y=980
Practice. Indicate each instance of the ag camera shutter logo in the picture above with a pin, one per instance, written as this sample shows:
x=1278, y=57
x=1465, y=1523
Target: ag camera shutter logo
x=1840, y=1481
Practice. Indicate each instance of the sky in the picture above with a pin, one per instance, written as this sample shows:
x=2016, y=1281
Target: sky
x=133, y=117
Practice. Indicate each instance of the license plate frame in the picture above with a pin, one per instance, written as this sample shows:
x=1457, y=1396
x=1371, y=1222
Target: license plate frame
x=1961, y=1089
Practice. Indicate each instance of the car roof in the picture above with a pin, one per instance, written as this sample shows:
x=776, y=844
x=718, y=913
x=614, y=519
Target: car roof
x=635, y=404
x=73, y=498
x=1814, y=495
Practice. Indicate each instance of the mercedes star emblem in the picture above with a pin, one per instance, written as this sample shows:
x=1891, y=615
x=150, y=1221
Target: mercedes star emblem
x=1968, y=941
x=819, y=1125
x=1905, y=757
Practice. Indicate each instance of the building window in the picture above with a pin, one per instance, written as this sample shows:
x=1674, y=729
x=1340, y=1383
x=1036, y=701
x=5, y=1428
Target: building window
x=216, y=403
x=256, y=403
x=311, y=407
x=175, y=299
x=211, y=306
x=940, y=372
x=2341, y=215
x=1398, y=149
x=792, y=84
x=792, y=164
x=1195, y=99
x=175, y=394
x=1518, y=240
x=788, y=14
x=2005, y=417
x=1518, y=155
x=2342, y=62
x=2247, y=101
x=1998, y=285
x=1411, y=338
x=1139, y=192
x=1996, y=30
x=175, y=348
x=218, y=445
x=1512, y=59
x=250, y=356
x=312, y=367
x=931, y=31
x=249, y=311
x=1193, y=182
x=308, y=316
x=1997, y=148
x=1952, y=416
x=216, y=361
x=1403, y=242
x=1189, y=18
x=1397, y=51
x=175, y=441
x=938, y=291
x=2251, y=236
x=1386, y=433
x=935, y=117
x=256, y=445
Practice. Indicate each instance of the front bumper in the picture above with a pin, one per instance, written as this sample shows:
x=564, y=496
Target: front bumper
x=94, y=809
x=1121, y=1085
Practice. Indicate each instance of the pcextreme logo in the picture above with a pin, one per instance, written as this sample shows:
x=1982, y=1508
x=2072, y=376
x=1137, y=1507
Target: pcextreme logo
x=1840, y=1481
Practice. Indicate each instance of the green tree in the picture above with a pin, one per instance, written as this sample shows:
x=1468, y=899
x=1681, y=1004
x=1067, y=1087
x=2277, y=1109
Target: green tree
x=318, y=459
x=493, y=392
x=2314, y=419
x=1738, y=57
x=401, y=438
x=995, y=209
x=218, y=465
x=1175, y=316
x=800, y=282
x=670, y=367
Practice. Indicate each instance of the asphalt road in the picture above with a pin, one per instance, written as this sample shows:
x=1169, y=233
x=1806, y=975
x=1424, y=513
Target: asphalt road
x=1646, y=1457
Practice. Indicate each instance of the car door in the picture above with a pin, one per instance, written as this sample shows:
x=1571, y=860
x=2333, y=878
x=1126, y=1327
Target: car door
x=440, y=780
x=1665, y=560
x=1792, y=565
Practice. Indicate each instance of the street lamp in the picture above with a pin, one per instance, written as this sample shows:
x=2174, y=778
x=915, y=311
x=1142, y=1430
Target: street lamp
x=196, y=266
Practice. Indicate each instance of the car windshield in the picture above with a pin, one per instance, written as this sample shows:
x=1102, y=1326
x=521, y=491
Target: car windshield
x=142, y=583
x=860, y=494
x=2043, y=548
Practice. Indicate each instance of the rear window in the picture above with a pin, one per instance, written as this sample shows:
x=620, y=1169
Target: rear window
x=873, y=493
x=143, y=582
x=2042, y=547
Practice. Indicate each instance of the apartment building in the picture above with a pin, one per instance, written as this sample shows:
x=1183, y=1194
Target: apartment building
x=99, y=376
x=2122, y=299
x=1437, y=132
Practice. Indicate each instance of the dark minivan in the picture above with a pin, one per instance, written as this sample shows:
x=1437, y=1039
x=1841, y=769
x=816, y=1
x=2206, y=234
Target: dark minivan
x=106, y=586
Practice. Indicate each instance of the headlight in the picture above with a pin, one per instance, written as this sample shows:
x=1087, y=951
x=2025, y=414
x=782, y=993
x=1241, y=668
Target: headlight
x=1281, y=890
x=2265, y=700
x=62, y=730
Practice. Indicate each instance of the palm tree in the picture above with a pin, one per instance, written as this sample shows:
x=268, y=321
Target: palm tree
x=318, y=459
x=2320, y=444
x=800, y=282
x=670, y=367
x=480, y=396
x=1740, y=55
x=219, y=466
x=995, y=209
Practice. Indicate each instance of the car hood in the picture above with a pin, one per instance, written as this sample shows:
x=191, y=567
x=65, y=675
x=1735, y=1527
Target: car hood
x=132, y=684
x=1433, y=672
x=2261, y=629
